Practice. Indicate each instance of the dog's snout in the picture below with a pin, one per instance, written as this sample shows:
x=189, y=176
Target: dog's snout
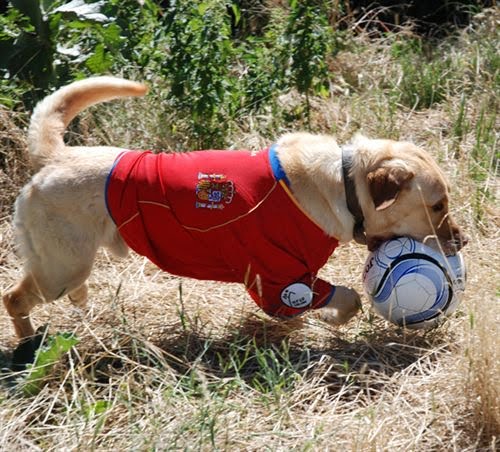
x=461, y=240
x=451, y=236
x=458, y=239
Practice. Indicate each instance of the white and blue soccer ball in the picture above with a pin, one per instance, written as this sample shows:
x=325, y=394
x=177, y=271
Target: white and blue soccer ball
x=413, y=285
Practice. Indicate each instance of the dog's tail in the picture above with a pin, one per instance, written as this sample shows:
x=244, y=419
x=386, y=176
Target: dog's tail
x=53, y=114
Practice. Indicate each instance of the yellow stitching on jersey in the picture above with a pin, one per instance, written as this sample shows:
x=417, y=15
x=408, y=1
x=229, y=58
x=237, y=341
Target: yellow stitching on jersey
x=159, y=204
x=128, y=221
x=137, y=213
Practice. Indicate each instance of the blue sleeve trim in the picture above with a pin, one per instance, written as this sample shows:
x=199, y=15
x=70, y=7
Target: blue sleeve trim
x=278, y=171
x=330, y=297
x=108, y=180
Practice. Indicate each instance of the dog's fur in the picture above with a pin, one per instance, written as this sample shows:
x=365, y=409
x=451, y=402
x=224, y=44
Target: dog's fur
x=61, y=218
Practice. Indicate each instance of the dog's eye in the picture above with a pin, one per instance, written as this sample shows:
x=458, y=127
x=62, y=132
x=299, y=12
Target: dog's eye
x=438, y=207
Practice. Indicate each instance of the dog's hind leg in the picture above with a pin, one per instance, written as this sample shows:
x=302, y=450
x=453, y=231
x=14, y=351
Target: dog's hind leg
x=40, y=286
x=19, y=302
x=35, y=288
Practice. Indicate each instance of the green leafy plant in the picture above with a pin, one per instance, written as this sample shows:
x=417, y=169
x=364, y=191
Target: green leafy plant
x=140, y=44
x=46, y=357
x=32, y=48
x=49, y=43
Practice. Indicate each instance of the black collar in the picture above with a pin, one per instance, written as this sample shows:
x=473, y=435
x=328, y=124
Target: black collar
x=351, y=197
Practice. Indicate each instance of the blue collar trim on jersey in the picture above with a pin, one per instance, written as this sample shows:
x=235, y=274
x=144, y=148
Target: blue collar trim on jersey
x=278, y=171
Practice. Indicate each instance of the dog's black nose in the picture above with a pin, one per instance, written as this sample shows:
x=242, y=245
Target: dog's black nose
x=460, y=240
x=458, y=243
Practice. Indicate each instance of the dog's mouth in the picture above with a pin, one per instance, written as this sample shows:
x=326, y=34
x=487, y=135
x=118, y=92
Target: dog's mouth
x=373, y=242
x=448, y=247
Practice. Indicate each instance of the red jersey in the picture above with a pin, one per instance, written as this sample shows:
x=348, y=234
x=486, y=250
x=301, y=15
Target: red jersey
x=225, y=216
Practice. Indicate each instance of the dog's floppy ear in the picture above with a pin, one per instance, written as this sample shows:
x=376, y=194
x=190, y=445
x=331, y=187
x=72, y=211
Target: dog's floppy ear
x=385, y=183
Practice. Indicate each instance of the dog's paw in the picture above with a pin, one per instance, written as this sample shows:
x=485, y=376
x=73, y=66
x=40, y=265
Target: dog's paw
x=344, y=305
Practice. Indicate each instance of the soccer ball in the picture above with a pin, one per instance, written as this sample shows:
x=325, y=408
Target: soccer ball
x=413, y=285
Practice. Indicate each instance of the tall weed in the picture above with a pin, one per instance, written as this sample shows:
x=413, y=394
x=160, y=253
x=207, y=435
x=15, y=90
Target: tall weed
x=197, y=65
x=424, y=78
x=308, y=43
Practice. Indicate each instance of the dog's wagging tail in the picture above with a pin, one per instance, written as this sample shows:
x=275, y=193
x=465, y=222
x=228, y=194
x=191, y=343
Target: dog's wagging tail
x=54, y=113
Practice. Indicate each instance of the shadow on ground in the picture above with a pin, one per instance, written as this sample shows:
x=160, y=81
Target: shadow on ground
x=261, y=354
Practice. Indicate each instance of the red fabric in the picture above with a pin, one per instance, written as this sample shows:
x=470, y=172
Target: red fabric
x=220, y=215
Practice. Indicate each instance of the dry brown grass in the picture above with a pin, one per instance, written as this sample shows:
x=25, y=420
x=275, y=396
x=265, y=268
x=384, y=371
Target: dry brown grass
x=171, y=363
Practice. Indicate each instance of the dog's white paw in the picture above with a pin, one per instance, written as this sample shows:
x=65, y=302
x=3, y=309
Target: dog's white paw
x=344, y=305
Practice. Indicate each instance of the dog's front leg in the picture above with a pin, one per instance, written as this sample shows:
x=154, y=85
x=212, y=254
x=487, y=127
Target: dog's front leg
x=344, y=304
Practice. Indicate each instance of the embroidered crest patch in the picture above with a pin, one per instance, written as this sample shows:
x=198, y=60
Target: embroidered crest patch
x=213, y=191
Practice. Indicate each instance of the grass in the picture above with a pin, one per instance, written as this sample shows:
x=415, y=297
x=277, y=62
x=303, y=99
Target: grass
x=165, y=363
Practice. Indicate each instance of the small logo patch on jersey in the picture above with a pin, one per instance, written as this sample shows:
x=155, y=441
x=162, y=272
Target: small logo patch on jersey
x=213, y=191
x=297, y=295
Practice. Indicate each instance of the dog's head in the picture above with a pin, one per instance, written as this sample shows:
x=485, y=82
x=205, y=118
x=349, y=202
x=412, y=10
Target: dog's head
x=403, y=192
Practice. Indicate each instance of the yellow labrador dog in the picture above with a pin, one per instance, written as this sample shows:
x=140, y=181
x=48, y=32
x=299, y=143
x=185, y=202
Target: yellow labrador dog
x=82, y=198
